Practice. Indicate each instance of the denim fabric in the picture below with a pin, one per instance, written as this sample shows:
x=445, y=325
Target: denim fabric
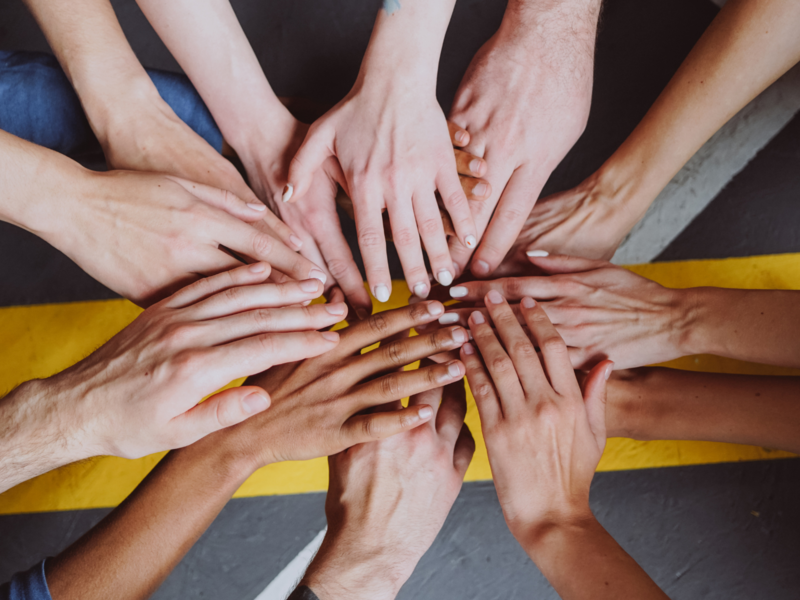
x=30, y=585
x=38, y=104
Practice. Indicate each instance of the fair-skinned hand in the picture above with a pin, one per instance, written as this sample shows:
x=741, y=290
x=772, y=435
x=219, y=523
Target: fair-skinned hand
x=388, y=500
x=145, y=235
x=544, y=435
x=525, y=100
x=316, y=405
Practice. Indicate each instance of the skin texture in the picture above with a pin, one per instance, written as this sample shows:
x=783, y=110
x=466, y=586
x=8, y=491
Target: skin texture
x=745, y=49
x=525, y=98
x=123, y=559
x=545, y=435
x=388, y=500
x=389, y=137
x=139, y=393
x=604, y=311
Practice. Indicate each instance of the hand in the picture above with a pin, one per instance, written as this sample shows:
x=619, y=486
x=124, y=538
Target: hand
x=317, y=405
x=393, y=149
x=146, y=235
x=139, y=393
x=544, y=435
x=602, y=311
x=388, y=500
x=525, y=99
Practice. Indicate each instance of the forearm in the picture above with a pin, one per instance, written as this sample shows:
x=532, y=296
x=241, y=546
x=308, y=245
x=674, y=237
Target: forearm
x=746, y=48
x=130, y=553
x=582, y=560
x=91, y=47
x=669, y=404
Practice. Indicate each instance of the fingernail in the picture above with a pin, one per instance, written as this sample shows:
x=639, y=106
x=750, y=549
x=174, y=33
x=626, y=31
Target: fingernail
x=425, y=412
x=475, y=165
x=331, y=336
x=477, y=318
x=535, y=253
x=255, y=403
x=459, y=336
x=471, y=241
x=458, y=292
x=296, y=241
x=528, y=302
x=448, y=318
x=257, y=206
x=309, y=285
x=258, y=267
x=362, y=314
x=435, y=309
x=480, y=190
x=481, y=267
x=454, y=369
x=470, y=335
x=468, y=349
x=609, y=368
x=494, y=297
x=445, y=277
x=317, y=274
x=462, y=136
x=288, y=190
x=421, y=290
x=381, y=293
x=338, y=309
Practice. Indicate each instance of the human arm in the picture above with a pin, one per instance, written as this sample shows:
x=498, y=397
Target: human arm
x=388, y=500
x=545, y=435
x=745, y=49
x=315, y=408
x=525, y=99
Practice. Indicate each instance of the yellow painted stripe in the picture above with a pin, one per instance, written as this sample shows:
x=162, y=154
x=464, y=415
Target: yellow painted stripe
x=41, y=340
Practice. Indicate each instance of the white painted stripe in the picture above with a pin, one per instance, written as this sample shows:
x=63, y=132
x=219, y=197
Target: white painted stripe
x=287, y=580
x=714, y=165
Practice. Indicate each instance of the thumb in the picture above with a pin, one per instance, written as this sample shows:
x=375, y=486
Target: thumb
x=221, y=410
x=554, y=264
x=594, y=396
x=313, y=152
x=250, y=211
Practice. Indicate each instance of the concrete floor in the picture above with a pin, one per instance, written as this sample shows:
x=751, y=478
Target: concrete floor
x=711, y=531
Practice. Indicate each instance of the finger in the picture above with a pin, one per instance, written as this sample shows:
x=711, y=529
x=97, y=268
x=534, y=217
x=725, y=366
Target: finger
x=517, y=344
x=268, y=295
x=432, y=398
x=464, y=451
x=475, y=189
x=457, y=205
x=272, y=225
x=221, y=410
x=561, y=263
x=400, y=353
x=409, y=247
x=594, y=396
x=313, y=152
x=431, y=230
x=250, y=211
x=264, y=320
x=403, y=384
x=513, y=209
x=372, y=242
x=469, y=164
x=499, y=364
x=335, y=295
x=482, y=387
x=362, y=429
x=514, y=288
x=452, y=411
x=208, y=286
x=552, y=347
x=458, y=135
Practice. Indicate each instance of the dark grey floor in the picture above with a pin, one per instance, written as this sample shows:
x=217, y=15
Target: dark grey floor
x=719, y=531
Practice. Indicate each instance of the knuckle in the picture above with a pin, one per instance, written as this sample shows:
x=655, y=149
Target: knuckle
x=379, y=324
x=553, y=344
x=396, y=353
x=405, y=237
x=263, y=244
x=456, y=200
x=233, y=296
x=502, y=365
x=523, y=349
x=185, y=364
x=482, y=390
x=390, y=387
x=370, y=429
x=429, y=226
x=514, y=287
x=337, y=268
x=264, y=319
x=547, y=411
x=371, y=237
x=266, y=343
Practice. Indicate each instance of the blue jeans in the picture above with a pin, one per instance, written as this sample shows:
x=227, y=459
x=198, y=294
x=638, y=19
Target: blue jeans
x=38, y=104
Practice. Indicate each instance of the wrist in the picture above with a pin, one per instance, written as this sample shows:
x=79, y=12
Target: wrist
x=699, y=308
x=538, y=537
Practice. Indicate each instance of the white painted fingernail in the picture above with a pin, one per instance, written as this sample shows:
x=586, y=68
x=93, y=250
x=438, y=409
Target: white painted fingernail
x=381, y=293
x=535, y=253
x=458, y=291
x=421, y=290
x=257, y=206
x=317, y=274
x=445, y=277
x=448, y=318
x=287, y=192
x=471, y=241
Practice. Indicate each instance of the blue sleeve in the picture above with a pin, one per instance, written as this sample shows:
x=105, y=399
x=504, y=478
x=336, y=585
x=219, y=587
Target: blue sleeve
x=30, y=585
